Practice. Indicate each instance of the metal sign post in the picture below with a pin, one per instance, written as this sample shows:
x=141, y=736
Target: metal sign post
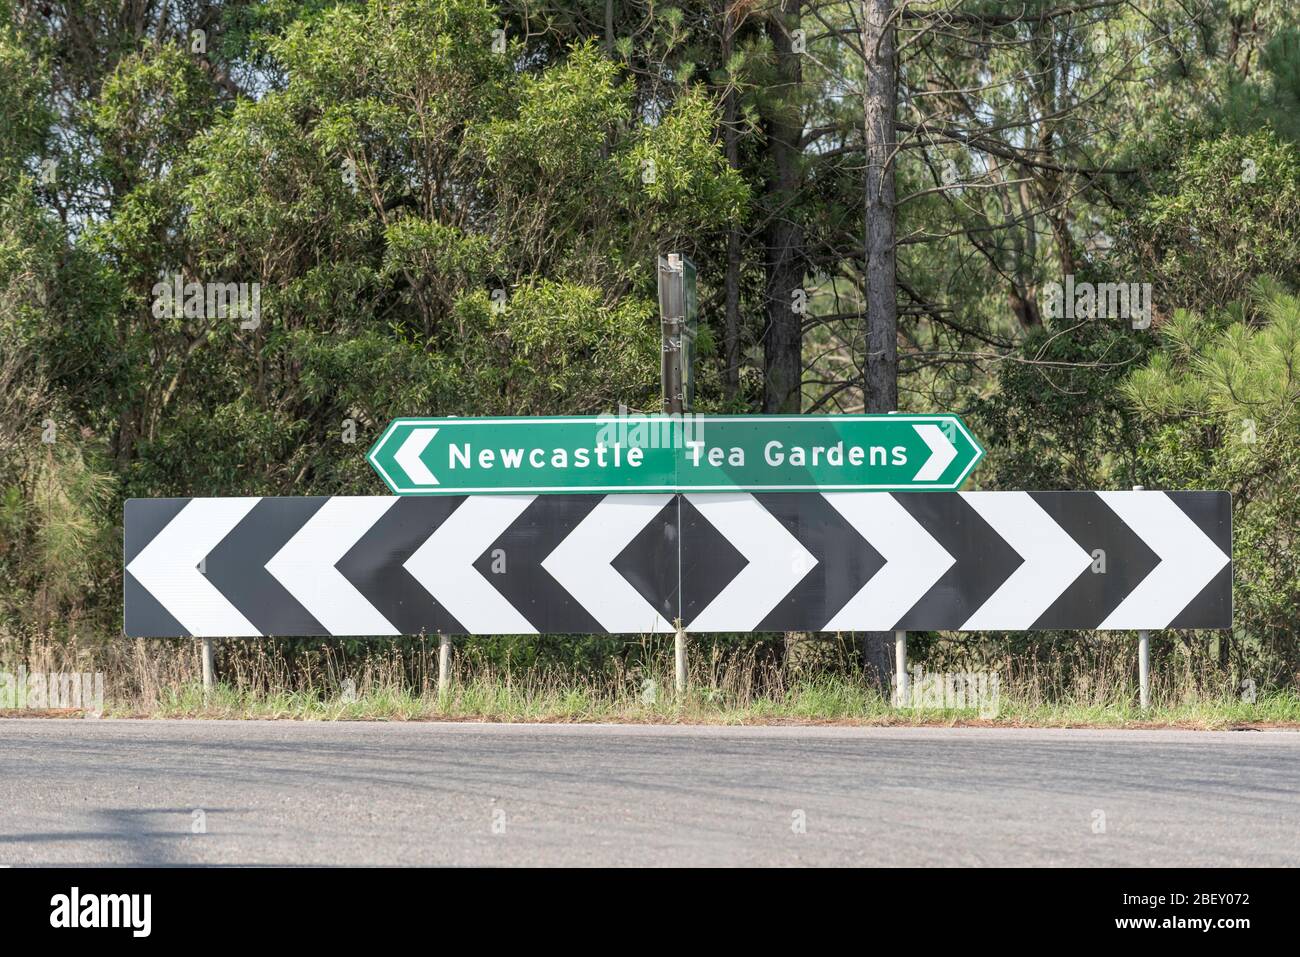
x=1144, y=669
x=209, y=666
x=444, y=664
x=900, y=670
x=1144, y=659
x=678, y=315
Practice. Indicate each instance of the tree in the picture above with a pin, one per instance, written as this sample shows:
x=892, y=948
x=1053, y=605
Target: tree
x=880, y=100
x=1224, y=212
x=1222, y=396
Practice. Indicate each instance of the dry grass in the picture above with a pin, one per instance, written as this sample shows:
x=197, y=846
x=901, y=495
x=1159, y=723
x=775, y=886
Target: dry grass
x=728, y=685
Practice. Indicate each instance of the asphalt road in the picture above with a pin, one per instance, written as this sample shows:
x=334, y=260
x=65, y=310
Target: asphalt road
x=134, y=792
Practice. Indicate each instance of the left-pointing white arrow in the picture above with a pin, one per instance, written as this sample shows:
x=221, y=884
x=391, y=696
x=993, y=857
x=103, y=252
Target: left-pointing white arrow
x=941, y=453
x=305, y=565
x=168, y=567
x=583, y=564
x=444, y=564
x=408, y=456
x=777, y=561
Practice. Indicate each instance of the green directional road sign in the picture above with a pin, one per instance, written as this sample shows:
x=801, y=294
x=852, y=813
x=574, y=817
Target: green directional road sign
x=660, y=453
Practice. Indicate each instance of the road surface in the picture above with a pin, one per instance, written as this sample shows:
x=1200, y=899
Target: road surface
x=192, y=792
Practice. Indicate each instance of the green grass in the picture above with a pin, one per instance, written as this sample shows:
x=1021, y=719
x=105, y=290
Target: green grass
x=727, y=687
x=820, y=700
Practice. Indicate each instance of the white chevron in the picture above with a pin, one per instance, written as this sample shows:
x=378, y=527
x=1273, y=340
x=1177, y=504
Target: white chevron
x=941, y=453
x=1189, y=560
x=304, y=565
x=444, y=564
x=168, y=567
x=1052, y=560
x=914, y=561
x=582, y=564
x=408, y=456
x=777, y=561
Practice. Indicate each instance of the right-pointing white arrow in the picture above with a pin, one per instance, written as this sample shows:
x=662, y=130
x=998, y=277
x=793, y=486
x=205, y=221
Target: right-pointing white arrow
x=1188, y=559
x=914, y=561
x=1052, y=560
x=444, y=564
x=168, y=567
x=583, y=564
x=777, y=561
x=408, y=456
x=941, y=453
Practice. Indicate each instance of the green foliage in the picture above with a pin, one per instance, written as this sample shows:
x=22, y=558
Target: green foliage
x=1226, y=212
x=147, y=111
x=1057, y=418
x=1222, y=396
x=556, y=348
x=1248, y=104
x=393, y=178
x=24, y=116
x=56, y=495
x=437, y=226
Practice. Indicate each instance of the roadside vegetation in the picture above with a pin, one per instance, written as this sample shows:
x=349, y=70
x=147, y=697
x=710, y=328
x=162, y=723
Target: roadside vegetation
x=454, y=207
x=283, y=680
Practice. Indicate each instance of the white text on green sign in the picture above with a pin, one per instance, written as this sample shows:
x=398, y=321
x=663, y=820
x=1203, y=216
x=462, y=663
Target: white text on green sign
x=658, y=453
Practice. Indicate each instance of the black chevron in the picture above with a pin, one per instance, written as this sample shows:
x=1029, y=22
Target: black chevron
x=1212, y=513
x=374, y=565
x=142, y=615
x=982, y=561
x=679, y=562
x=845, y=561
x=1096, y=528
x=237, y=566
x=513, y=564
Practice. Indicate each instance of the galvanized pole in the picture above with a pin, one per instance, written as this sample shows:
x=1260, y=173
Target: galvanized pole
x=1144, y=668
x=444, y=664
x=900, y=669
x=1144, y=659
x=209, y=666
x=679, y=672
x=672, y=318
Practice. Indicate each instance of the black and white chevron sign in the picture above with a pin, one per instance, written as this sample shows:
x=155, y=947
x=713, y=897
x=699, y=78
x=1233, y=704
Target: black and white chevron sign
x=636, y=563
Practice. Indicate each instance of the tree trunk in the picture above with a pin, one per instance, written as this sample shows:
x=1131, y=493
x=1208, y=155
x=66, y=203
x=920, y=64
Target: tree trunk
x=731, y=141
x=878, y=659
x=879, y=95
x=783, y=338
x=880, y=390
